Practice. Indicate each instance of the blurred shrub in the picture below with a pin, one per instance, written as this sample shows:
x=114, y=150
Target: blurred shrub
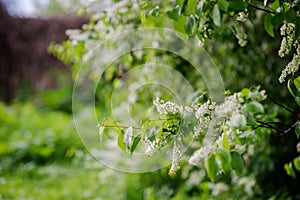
x=32, y=135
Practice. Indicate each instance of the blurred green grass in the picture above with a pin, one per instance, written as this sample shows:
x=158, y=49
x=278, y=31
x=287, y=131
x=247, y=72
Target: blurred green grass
x=41, y=157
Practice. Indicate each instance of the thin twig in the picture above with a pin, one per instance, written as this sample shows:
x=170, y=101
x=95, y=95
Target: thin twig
x=262, y=9
x=111, y=126
x=281, y=105
x=269, y=125
x=289, y=129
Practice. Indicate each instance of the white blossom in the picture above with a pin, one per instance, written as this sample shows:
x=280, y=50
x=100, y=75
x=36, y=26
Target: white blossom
x=292, y=67
x=168, y=107
x=287, y=30
x=240, y=35
x=242, y=16
x=200, y=154
x=263, y=94
x=237, y=121
x=218, y=188
x=232, y=104
x=157, y=144
x=175, y=159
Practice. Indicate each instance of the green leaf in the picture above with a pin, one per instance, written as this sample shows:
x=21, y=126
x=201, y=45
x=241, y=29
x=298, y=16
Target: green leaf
x=199, y=8
x=245, y=92
x=174, y=13
x=238, y=5
x=179, y=24
x=120, y=140
x=211, y=167
x=297, y=82
x=191, y=6
x=190, y=24
x=155, y=11
x=224, y=156
x=290, y=15
x=216, y=16
x=135, y=142
x=296, y=162
x=268, y=25
x=277, y=20
x=237, y=139
x=225, y=142
x=297, y=28
x=159, y=132
x=223, y=5
x=237, y=162
x=289, y=170
x=255, y=107
x=180, y=3
x=289, y=87
x=297, y=97
x=275, y=5
x=297, y=130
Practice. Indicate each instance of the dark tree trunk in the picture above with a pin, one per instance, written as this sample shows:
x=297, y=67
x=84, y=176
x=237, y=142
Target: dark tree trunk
x=23, y=50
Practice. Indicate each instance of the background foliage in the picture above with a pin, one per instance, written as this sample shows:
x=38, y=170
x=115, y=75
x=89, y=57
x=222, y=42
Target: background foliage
x=243, y=38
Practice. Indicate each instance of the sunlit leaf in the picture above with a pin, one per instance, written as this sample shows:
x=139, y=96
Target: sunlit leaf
x=224, y=156
x=245, y=92
x=297, y=82
x=180, y=3
x=289, y=170
x=179, y=24
x=296, y=162
x=120, y=140
x=191, y=6
x=225, y=142
x=211, y=167
x=135, y=142
x=216, y=15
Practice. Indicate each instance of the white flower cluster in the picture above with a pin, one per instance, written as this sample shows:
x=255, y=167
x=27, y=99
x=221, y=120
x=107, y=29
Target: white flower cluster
x=167, y=107
x=242, y=16
x=157, y=144
x=197, y=158
x=287, y=30
x=218, y=188
x=175, y=159
x=219, y=123
x=293, y=66
x=293, y=3
x=226, y=119
x=205, y=115
x=232, y=104
x=240, y=35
